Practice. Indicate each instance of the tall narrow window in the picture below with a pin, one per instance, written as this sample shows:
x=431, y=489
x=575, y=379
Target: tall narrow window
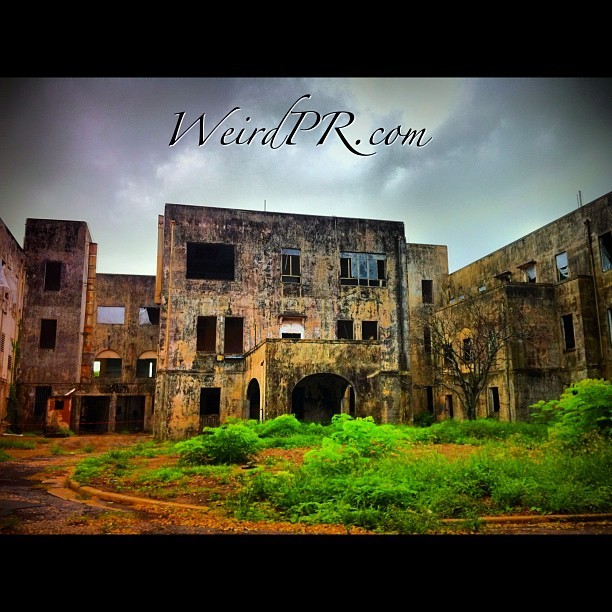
x=448, y=406
x=610, y=323
x=40, y=400
x=345, y=329
x=562, y=266
x=605, y=248
x=233, y=335
x=494, y=399
x=427, y=291
x=369, y=330
x=206, y=334
x=427, y=340
x=468, y=357
x=430, y=399
x=53, y=275
x=567, y=322
x=48, y=332
x=290, y=266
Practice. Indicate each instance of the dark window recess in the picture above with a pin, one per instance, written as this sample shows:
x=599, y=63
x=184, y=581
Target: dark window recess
x=605, y=248
x=427, y=291
x=369, y=330
x=568, y=332
x=291, y=335
x=210, y=261
x=48, y=332
x=58, y=404
x=233, y=335
x=108, y=368
x=145, y=368
x=148, y=315
x=53, y=275
x=345, y=329
x=448, y=354
x=427, y=340
x=210, y=401
x=448, y=405
x=430, y=399
x=206, y=334
x=40, y=400
x=468, y=357
x=290, y=266
x=494, y=395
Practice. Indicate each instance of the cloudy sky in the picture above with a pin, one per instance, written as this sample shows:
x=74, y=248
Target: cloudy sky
x=472, y=163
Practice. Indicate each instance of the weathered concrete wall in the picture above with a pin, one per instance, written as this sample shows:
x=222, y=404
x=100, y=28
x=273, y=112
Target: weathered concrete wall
x=66, y=242
x=12, y=287
x=256, y=294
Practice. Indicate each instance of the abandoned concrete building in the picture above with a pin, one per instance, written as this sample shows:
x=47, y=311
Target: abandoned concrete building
x=258, y=314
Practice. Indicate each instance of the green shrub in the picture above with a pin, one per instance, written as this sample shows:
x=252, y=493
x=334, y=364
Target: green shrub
x=228, y=444
x=284, y=425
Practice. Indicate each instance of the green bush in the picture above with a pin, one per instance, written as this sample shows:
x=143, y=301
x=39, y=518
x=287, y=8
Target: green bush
x=582, y=414
x=228, y=444
x=282, y=426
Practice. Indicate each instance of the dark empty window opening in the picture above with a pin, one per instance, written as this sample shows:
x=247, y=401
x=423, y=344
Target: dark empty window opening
x=210, y=261
x=40, y=400
x=605, y=248
x=568, y=332
x=430, y=399
x=290, y=266
x=468, y=357
x=448, y=406
x=367, y=269
x=369, y=330
x=427, y=340
x=58, y=404
x=206, y=334
x=427, y=291
x=290, y=335
x=53, y=275
x=210, y=401
x=494, y=399
x=48, y=332
x=145, y=368
x=233, y=335
x=345, y=329
x=148, y=315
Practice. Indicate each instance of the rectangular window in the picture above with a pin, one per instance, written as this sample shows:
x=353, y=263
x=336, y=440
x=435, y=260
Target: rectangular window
x=107, y=368
x=111, y=315
x=430, y=399
x=448, y=406
x=290, y=266
x=427, y=340
x=53, y=275
x=367, y=269
x=494, y=399
x=344, y=329
x=145, y=368
x=610, y=323
x=567, y=322
x=148, y=315
x=48, y=332
x=2, y=342
x=210, y=261
x=427, y=291
x=233, y=335
x=369, y=330
x=562, y=266
x=529, y=270
x=605, y=248
x=210, y=406
x=468, y=357
x=206, y=334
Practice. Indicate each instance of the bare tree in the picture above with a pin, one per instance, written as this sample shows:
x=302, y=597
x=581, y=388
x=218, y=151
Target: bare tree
x=466, y=340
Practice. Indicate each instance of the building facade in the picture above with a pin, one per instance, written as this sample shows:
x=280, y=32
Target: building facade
x=257, y=314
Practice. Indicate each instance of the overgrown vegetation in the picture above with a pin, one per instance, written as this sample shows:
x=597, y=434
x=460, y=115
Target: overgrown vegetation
x=388, y=479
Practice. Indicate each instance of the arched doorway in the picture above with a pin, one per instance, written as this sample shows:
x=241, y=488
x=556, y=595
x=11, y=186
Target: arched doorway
x=253, y=400
x=316, y=398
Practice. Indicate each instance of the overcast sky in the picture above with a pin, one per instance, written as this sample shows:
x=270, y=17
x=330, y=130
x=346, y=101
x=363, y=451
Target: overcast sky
x=472, y=163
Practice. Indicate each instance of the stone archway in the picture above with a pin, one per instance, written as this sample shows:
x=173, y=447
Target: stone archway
x=316, y=398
